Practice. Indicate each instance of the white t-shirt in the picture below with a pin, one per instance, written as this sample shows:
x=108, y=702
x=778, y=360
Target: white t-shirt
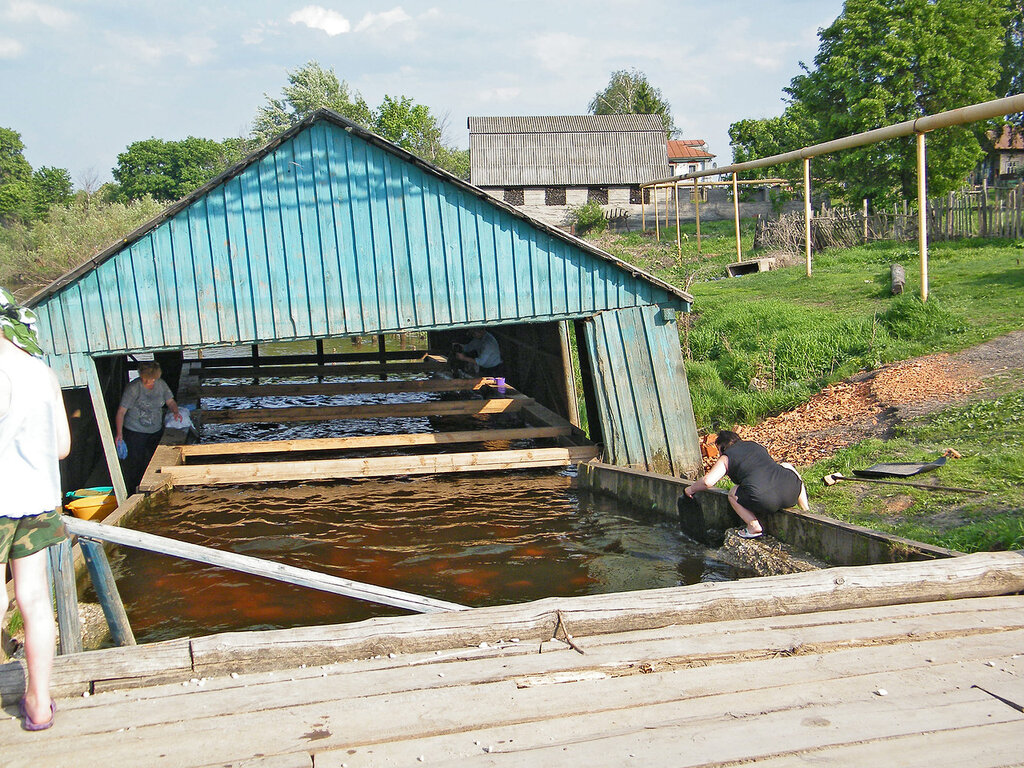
x=30, y=434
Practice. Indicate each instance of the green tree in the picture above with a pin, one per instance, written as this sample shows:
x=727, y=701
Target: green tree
x=756, y=138
x=1011, y=79
x=310, y=87
x=168, y=170
x=629, y=93
x=886, y=61
x=15, y=179
x=50, y=186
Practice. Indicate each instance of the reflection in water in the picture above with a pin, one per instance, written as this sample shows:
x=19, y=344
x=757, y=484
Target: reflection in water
x=476, y=540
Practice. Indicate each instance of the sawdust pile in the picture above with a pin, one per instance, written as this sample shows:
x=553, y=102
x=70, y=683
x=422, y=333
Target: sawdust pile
x=849, y=411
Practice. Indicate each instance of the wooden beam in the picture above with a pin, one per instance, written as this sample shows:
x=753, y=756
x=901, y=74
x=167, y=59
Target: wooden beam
x=382, y=411
x=372, y=441
x=99, y=407
x=388, y=466
x=342, y=388
x=266, y=371
x=164, y=456
x=330, y=357
x=106, y=591
x=258, y=567
x=65, y=594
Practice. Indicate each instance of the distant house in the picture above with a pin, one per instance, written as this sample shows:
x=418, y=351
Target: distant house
x=547, y=165
x=688, y=156
x=1009, y=148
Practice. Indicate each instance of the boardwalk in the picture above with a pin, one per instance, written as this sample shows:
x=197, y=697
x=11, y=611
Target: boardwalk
x=921, y=684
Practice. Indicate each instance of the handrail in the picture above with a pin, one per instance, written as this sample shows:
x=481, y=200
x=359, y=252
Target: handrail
x=258, y=567
x=959, y=116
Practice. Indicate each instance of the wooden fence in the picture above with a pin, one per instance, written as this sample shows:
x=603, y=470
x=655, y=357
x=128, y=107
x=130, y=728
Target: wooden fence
x=976, y=212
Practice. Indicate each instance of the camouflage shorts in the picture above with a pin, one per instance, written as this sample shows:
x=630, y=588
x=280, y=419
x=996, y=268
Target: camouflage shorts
x=23, y=536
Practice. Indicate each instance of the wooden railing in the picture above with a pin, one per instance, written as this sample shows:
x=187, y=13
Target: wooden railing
x=91, y=535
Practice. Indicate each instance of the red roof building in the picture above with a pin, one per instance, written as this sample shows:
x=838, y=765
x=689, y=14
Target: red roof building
x=688, y=156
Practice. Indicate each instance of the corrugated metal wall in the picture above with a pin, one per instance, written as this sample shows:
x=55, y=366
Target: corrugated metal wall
x=576, y=150
x=329, y=235
x=641, y=392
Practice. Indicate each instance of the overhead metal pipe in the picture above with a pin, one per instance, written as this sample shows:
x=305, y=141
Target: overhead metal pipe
x=960, y=116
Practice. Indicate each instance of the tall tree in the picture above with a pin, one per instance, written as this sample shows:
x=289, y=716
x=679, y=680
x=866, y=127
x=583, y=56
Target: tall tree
x=310, y=87
x=629, y=93
x=15, y=179
x=168, y=170
x=886, y=61
x=50, y=186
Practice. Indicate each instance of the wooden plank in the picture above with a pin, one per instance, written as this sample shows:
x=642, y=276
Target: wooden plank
x=388, y=466
x=372, y=441
x=65, y=595
x=381, y=411
x=248, y=361
x=164, y=456
x=977, y=575
x=106, y=592
x=342, y=388
x=265, y=371
x=257, y=566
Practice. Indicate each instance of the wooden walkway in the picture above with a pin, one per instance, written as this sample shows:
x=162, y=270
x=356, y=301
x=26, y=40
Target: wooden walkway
x=927, y=684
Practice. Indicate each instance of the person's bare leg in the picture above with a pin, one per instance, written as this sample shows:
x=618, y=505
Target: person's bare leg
x=33, y=594
x=801, y=500
x=748, y=517
x=3, y=603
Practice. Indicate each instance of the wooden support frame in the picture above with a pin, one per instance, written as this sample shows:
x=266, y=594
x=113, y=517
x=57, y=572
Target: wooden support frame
x=99, y=407
x=383, y=411
x=264, y=371
x=340, y=388
x=65, y=593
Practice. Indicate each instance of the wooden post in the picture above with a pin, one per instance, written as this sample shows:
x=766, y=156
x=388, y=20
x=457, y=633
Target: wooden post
x=568, y=371
x=736, y=210
x=99, y=407
x=865, y=221
x=382, y=354
x=696, y=205
x=657, y=223
x=643, y=211
x=62, y=571
x=922, y=219
x=319, y=351
x=808, y=213
x=679, y=237
x=106, y=591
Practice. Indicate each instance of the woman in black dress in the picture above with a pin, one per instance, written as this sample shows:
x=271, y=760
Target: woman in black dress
x=762, y=485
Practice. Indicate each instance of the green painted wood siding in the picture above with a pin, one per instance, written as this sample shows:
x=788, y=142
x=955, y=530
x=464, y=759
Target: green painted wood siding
x=642, y=395
x=331, y=234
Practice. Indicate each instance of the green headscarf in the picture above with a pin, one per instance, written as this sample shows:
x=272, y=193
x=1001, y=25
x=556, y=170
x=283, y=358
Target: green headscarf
x=19, y=324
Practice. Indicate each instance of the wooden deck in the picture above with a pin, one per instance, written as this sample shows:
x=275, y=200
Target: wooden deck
x=935, y=683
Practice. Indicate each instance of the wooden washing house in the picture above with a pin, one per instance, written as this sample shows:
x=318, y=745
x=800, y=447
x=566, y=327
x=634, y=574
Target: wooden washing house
x=330, y=231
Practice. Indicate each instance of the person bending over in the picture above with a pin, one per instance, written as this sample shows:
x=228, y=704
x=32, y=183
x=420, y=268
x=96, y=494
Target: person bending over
x=762, y=485
x=140, y=420
x=484, y=351
x=34, y=436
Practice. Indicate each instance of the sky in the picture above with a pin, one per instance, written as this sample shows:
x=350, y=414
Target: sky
x=80, y=80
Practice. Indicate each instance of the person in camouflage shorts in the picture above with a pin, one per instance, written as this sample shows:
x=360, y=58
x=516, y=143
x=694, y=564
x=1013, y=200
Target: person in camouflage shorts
x=34, y=436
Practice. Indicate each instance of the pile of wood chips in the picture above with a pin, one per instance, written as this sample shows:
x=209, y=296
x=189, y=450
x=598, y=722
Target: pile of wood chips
x=825, y=423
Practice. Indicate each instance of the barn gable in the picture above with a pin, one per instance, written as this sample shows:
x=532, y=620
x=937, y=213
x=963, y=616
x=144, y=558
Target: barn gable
x=329, y=231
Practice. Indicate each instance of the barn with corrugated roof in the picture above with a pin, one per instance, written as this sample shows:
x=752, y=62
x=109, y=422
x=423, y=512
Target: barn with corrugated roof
x=330, y=231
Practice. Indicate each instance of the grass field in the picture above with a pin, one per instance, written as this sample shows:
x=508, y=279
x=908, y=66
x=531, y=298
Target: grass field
x=764, y=343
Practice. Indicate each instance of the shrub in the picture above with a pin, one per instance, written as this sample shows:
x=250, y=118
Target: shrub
x=588, y=218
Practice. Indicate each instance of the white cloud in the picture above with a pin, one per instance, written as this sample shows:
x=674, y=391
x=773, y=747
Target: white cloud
x=138, y=50
x=256, y=35
x=20, y=10
x=324, y=19
x=558, y=50
x=499, y=94
x=378, y=22
x=10, y=49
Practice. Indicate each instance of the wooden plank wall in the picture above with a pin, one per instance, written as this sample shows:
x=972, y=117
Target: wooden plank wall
x=642, y=395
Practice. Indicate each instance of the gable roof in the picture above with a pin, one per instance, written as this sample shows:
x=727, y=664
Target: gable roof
x=566, y=150
x=330, y=230
x=687, y=149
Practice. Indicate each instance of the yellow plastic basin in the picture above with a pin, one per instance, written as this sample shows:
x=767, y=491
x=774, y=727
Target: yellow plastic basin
x=92, y=507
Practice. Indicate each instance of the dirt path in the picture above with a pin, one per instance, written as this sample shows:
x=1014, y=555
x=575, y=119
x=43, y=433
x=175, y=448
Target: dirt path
x=870, y=404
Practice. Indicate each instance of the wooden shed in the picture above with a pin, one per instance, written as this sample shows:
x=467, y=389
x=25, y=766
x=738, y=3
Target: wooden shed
x=331, y=231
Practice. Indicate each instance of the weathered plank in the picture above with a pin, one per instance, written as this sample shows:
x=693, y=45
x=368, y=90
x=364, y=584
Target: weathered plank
x=382, y=411
x=342, y=388
x=163, y=456
x=257, y=566
x=977, y=575
x=283, y=371
x=372, y=441
x=386, y=466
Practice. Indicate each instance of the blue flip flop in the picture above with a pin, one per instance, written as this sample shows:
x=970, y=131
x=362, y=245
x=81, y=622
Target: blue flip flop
x=30, y=725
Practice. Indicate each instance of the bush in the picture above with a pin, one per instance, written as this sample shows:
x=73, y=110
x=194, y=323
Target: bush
x=588, y=219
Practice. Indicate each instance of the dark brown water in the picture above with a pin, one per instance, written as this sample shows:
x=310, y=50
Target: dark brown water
x=475, y=540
